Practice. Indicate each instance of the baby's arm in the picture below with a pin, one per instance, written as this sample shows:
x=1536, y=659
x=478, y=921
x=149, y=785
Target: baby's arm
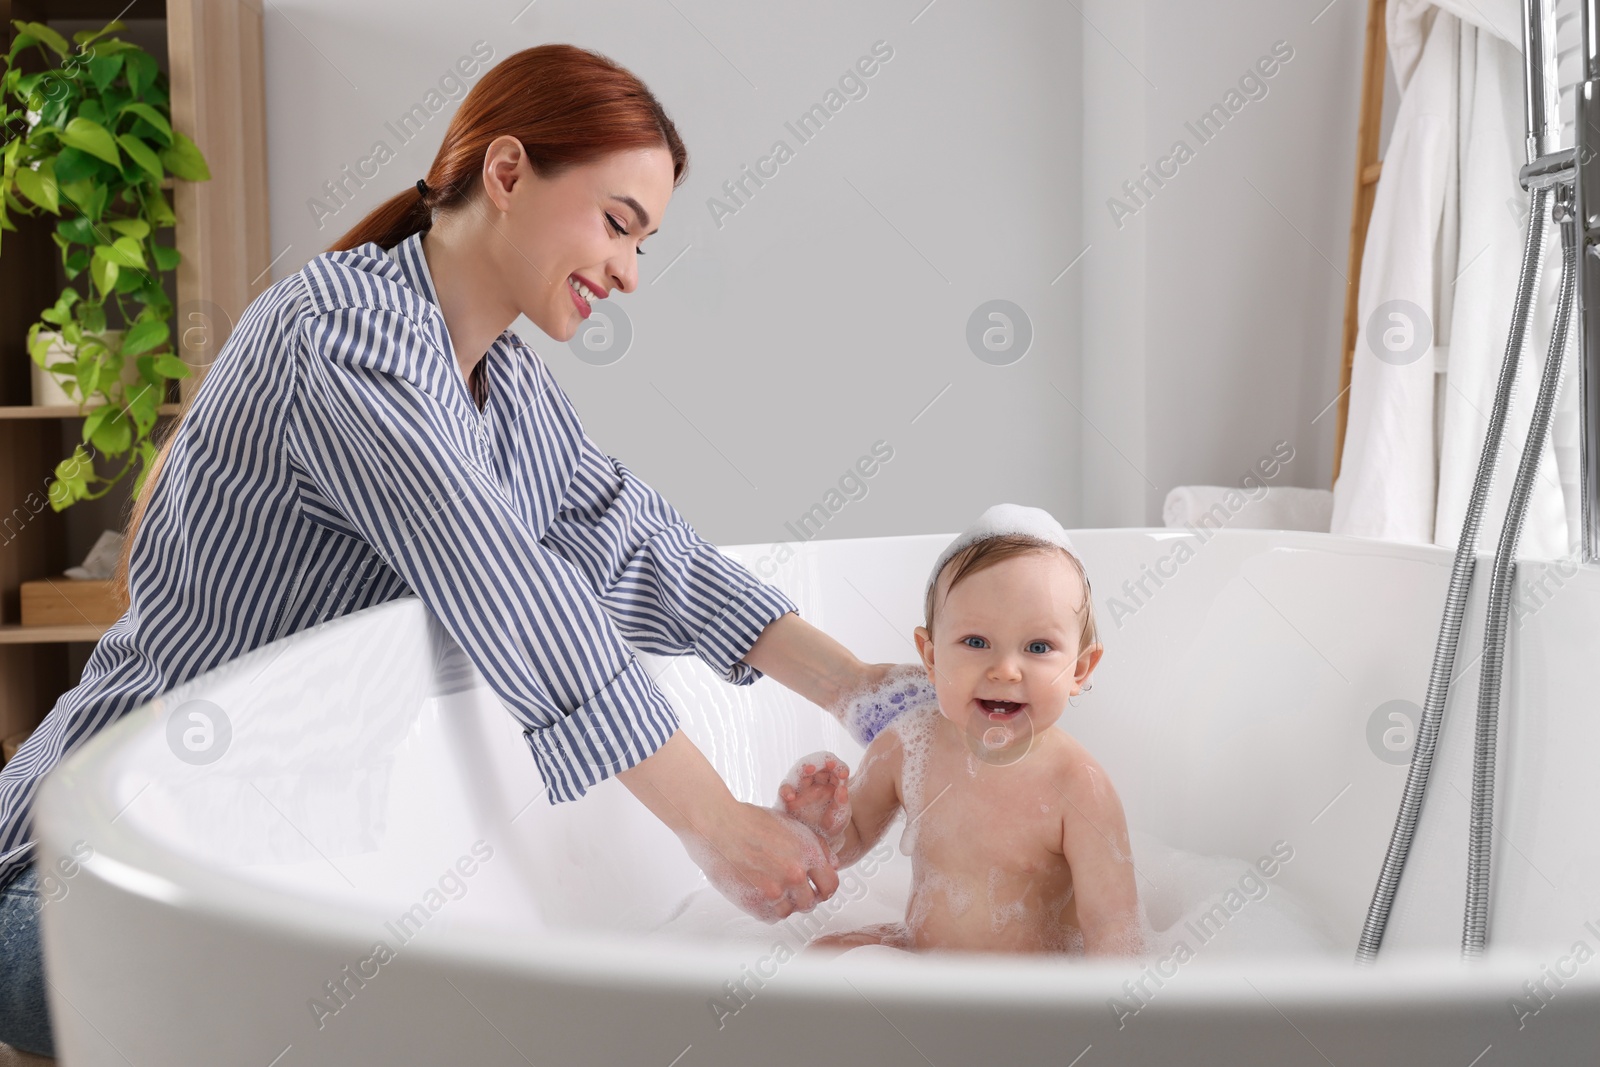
x=852, y=821
x=1094, y=840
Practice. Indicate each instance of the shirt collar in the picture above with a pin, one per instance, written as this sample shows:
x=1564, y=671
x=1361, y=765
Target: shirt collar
x=414, y=265
x=408, y=256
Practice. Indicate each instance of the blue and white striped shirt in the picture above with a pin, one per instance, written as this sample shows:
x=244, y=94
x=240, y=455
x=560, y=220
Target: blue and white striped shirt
x=334, y=459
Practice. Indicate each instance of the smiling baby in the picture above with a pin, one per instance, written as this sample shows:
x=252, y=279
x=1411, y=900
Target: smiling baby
x=1017, y=839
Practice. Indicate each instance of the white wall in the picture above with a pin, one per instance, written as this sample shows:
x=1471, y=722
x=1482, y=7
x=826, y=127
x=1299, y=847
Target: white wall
x=832, y=309
x=1212, y=315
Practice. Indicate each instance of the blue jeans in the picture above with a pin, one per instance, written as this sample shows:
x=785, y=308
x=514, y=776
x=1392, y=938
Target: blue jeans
x=24, y=1014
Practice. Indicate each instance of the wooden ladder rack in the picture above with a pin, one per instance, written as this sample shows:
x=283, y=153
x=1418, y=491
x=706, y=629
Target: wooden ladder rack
x=1368, y=167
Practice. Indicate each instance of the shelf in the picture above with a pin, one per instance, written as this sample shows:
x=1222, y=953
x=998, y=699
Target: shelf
x=13, y=634
x=64, y=411
x=211, y=51
x=51, y=10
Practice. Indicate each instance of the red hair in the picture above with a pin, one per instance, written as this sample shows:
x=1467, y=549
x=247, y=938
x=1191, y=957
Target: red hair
x=567, y=105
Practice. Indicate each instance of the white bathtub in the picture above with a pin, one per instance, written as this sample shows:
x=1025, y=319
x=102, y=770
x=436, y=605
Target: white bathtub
x=1231, y=708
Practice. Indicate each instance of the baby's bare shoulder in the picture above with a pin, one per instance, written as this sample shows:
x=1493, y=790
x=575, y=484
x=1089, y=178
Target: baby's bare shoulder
x=1078, y=775
x=886, y=753
x=913, y=731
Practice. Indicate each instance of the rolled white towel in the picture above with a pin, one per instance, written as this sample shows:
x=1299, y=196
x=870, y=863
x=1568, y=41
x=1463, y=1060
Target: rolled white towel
x=1279, y=507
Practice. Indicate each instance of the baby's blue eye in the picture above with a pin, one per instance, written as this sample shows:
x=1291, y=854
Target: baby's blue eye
x=1046, y=645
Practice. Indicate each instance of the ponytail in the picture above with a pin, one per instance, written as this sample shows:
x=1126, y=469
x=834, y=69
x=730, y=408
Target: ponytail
x=567, y=105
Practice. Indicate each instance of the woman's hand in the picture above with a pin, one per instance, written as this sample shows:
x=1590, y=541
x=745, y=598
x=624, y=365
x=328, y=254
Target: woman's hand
x=762, y=860
x=770, y=864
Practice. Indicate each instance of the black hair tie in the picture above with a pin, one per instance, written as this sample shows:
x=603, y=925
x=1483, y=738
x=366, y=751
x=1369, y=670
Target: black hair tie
x=422, y=187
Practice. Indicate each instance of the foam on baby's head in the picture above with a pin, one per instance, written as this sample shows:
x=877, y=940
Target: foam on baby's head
x=1001, y=532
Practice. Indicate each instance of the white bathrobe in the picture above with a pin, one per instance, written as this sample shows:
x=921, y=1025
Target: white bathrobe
x=1446, y=236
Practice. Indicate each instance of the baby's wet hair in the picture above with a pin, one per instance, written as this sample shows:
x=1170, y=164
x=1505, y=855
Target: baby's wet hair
x=983, y=554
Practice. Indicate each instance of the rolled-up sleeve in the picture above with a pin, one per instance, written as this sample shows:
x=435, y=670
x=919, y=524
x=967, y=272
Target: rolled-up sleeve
x=377, y=434
x=668, y=589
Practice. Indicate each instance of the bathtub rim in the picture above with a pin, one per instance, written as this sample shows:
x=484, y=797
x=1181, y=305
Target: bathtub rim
x=135, y=864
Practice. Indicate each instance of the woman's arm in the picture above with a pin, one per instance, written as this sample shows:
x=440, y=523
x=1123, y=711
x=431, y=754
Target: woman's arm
x=672, y=592
x=763, y=861
x=667, y=589
x=371, y=435
x=808, y=661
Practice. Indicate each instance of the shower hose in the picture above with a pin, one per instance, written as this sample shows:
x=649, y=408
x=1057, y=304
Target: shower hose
x=1461, y=574
x=1475, y=926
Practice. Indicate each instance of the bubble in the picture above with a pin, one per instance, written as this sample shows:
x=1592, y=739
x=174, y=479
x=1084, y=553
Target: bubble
x=1000, y=743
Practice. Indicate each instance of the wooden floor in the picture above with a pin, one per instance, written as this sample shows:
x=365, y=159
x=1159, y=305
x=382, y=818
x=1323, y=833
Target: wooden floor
x=10, y=1057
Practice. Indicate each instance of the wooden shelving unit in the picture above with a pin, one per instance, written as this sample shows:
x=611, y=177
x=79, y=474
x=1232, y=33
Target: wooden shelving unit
x=12, y=634
x=67, y=411
x=212, y=53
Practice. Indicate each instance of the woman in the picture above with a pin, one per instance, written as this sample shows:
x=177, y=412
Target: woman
x=373, y=428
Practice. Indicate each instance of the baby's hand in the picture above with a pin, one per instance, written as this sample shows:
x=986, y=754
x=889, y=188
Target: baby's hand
x=816, y=793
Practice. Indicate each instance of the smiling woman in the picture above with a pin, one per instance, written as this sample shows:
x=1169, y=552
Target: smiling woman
x=373, y=430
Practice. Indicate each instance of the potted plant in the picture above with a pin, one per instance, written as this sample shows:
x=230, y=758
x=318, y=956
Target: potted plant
x=90, y=140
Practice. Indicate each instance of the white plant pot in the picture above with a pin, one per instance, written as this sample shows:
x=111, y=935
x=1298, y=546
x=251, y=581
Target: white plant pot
x=47, y=390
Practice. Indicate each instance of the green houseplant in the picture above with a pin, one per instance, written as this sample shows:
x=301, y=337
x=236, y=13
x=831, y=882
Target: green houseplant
x=90, y=141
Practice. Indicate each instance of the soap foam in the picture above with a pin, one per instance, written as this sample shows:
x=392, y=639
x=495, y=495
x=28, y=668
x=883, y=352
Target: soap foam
x=933, y=882
x=1176, y=888
x=867, y=711
x=817, y=759
x=1180, y=889
x=915, y=729
x=839, y=816
x=1004, y=519
x=1002, y=915
x=733, y=885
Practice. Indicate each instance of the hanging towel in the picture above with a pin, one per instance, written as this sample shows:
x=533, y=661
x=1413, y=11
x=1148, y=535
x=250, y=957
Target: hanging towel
x=1438, y=279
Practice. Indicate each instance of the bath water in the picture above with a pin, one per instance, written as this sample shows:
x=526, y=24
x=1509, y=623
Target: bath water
x=1203, y=907
x=1216, y=907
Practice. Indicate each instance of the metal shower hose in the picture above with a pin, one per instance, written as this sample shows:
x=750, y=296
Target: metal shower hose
x=1456, y=601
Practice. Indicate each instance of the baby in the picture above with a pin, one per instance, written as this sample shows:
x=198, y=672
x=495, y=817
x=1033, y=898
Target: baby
x=1017, y=839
